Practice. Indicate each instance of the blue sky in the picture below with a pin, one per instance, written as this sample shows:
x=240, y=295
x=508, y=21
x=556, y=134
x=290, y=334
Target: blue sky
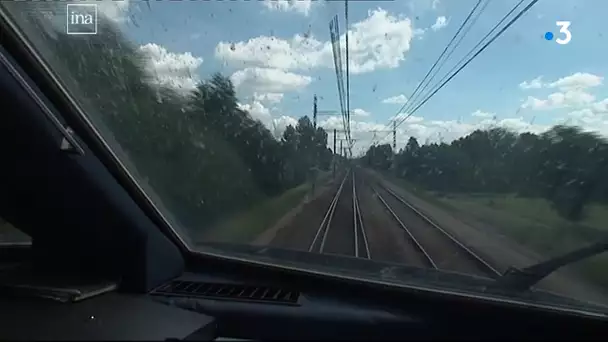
x=278, y=55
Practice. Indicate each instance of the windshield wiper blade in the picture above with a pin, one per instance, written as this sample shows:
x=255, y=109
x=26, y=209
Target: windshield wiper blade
x=523, y=279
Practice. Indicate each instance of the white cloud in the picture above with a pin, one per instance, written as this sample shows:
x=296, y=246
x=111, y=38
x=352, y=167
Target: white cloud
x=590, y=115
x=399, y=99
x=267, y=80
x=335, y=122
x=591, y=118
x=588, y=119
x=570, y=98
x=283, y=121
x=360, y=112
x=257, y=111
x=415, y=119
x=585, y=111
x=419, y=32
x=435, y=4
x=276, y=125
x=270, y=98
x=534, y=103
x=424, y=131
x=440, y=23
x=600, y=106
x=480, y=114
x=520, y=125
x=299, y=53
x=534, y=84
x=573, y=97
x=299, y=6
x=576, y=81
x=585, y=116
x=447, y=131
x=177, y=70
x=380, y=41
x=401, y=116
x=364, y=132
x=571, y=92
x=438, y=130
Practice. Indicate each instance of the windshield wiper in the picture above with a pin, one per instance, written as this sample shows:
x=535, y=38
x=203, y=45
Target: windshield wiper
x=522, y=279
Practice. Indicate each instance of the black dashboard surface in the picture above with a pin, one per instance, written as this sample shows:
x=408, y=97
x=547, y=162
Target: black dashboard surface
x=363, y=315
x=111, y=316
x=314, y=316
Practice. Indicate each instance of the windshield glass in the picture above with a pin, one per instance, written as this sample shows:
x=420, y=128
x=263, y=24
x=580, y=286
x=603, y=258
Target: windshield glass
x=463, y=136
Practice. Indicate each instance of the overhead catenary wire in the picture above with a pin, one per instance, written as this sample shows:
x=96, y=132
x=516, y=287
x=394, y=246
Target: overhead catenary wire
x=347, y=77
x=466, y=20
x=448, y=79
x=414, y=94
x=334, y=30
x=522, y=12
x=408, y=105
x=475, y=47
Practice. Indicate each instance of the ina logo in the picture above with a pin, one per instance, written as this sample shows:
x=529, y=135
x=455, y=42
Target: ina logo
x=81, y=19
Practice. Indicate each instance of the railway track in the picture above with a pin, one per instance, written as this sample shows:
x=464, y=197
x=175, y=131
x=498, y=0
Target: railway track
x=342, y=226
x=440, y=249
x=343, y=231
x=361, y=243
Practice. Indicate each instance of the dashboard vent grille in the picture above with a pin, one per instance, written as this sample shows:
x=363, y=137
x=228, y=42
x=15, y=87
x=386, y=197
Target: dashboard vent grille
x=228, y=292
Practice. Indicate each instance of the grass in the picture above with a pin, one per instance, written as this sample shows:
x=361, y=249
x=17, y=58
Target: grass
x=531, y=222
x=247, y=225
x=416, y=190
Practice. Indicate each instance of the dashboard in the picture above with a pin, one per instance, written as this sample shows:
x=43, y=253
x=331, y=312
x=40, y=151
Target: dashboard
x=111, y=316
x=198, y=306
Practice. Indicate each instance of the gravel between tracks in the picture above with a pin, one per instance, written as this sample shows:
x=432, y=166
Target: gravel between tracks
x=341, y=235
x=444, y=252
x=299, y=229
x=387, y=241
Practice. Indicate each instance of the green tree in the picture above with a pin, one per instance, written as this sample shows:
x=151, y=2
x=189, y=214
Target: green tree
x=198, y=151
x=380, y=156
x=565, y=165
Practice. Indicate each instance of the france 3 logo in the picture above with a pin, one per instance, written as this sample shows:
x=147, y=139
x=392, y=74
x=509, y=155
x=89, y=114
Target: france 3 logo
x=564, y=29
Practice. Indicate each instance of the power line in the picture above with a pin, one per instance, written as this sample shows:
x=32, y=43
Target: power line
x=476, y=46
x=334, y=31
x=443, y=83
x=473, y=57
x=439, y=58
x=409, y=103
x=347, y=74
x=414, y=94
